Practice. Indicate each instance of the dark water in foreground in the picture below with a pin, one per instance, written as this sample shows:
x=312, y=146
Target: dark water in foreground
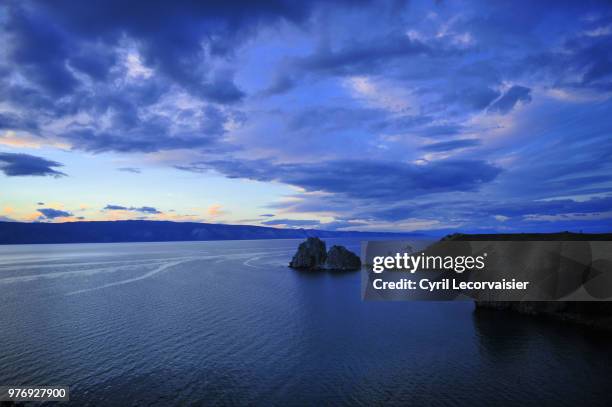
x=229, y=323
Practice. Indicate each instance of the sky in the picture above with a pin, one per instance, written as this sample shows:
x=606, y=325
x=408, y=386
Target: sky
x=337, y=115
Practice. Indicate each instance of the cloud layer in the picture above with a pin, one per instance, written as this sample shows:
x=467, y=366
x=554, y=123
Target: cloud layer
x=50, y=213
x=381, y=115
x=143, y=209
x=18, y=165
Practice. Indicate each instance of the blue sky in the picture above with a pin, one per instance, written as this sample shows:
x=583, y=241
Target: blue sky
x=338, y=115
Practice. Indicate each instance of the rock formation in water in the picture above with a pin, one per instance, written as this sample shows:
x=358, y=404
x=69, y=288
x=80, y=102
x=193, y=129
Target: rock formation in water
x=596, y=315
x=339, y=258
x=312, y=255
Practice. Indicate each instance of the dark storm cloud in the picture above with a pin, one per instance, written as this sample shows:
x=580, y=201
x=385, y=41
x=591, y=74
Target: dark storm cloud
x=50, y=213
x=363, y=57
x=144, y=209
x=354, y=58
x=90, y=139
x=15, y=165
x=171, y=36
x=584, y=60
x=94, y=62
x=379, y=180
x=70, y=53
x=155, y=133
x=40, y=48
x=10, y=121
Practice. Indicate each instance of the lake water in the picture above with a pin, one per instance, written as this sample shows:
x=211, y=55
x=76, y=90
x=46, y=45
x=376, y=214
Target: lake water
x=229, y=323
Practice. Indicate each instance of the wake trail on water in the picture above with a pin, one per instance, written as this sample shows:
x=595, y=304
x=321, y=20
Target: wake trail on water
x=73, y=273
x=166, y=266
x=122, y=266
x=249, y=262
x=151, y=273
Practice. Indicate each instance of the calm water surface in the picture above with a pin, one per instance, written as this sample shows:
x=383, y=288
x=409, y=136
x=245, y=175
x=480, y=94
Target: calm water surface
x=229, y=323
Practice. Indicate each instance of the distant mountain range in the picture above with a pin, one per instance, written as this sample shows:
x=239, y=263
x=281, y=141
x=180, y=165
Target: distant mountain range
x=157, y=231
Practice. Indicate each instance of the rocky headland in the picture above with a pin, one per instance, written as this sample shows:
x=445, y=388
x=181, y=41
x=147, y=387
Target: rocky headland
x=597, y=315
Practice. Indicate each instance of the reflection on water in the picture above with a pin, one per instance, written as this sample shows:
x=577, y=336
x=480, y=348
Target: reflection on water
x=229, y=323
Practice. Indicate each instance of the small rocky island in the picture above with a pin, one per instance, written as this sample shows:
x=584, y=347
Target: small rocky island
x=312, y=255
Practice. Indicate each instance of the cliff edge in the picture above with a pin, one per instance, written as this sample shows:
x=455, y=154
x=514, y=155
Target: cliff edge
x=597, y=315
